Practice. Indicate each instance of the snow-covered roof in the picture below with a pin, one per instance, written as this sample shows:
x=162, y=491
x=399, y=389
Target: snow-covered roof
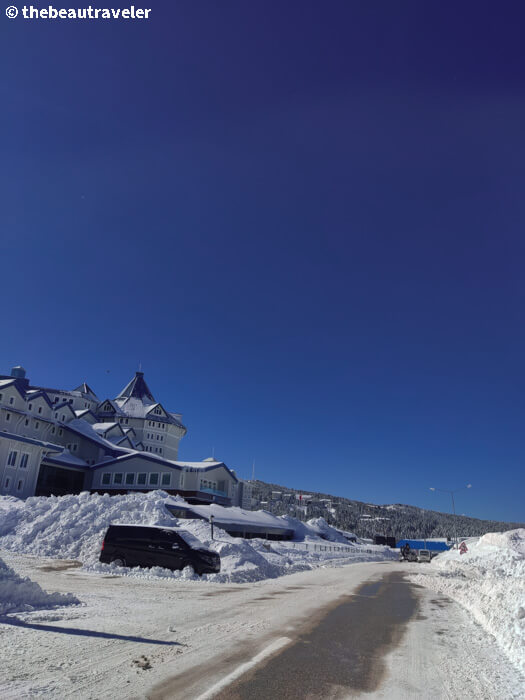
x=31, y=441
x=114, y=405
x=205, y=464
x=84, y=388
x=6, y=382
x=104, y=427
x=137, y=388
x=84, y=428
x=68, y=459
x=133, y=407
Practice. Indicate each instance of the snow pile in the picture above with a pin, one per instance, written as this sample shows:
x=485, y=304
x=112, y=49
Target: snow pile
x=19, y=594
x=73, y=527
x=314, y=529
x=488, y=580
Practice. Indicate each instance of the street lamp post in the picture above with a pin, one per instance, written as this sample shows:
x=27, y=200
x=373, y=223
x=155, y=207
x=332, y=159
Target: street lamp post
x=468, y=486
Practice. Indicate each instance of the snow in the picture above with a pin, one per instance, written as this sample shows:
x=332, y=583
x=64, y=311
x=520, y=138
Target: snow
x=489, y=581
x=73, y=527
x=19, y=594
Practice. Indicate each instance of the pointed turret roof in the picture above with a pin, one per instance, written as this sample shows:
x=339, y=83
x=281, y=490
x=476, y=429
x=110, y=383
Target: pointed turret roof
x=86, y=389
x=137, y=388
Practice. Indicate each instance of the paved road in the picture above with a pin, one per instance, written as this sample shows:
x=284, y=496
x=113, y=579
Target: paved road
x=343, y=654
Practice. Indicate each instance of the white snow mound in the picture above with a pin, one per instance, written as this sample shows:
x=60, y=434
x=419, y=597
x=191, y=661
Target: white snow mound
x=19, y=594
x=488, y=580
x=73, y=527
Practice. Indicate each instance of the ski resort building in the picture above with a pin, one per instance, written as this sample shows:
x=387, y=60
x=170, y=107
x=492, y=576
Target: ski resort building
x=55, y=442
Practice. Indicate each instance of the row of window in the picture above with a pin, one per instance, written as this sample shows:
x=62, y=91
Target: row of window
x=132, y=479
x=149, y=448
x=205, y=484
x=151, y=436
x=155, y=424
x=19, y=484
x=13, y=458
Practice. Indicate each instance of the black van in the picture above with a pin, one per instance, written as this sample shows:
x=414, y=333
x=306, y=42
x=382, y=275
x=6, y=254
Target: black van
x=148, y=545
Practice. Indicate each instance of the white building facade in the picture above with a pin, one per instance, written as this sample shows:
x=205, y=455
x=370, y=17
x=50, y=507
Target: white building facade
x=55, y=441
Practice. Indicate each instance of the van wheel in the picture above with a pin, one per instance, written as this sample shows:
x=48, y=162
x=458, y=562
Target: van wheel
x=119, y=561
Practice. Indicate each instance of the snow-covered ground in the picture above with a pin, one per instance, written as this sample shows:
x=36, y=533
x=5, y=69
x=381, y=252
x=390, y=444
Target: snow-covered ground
x=489, y=581
x=73, y=527
x=159, y=638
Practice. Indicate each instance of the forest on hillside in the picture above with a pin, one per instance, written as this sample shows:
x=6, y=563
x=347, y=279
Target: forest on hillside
x=367, y=519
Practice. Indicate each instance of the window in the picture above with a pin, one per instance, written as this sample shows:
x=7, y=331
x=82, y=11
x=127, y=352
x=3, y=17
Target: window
x=117, y=478
x=158, y=436
x=7, y=482
x=141, y=479
x=20, y=485
x=130, y=479
x=26, y=422
x=53, y=430
x=60, y=431
x=106, y=478
x=40, y=409
x=160, y=450
x=11, y=460
x=154, y=479
x=1, y=395
x=12, y=400
x=36, y=425
x=24, y=460
x=30, y=407
x=8, y=416
x=166, y=479
x=75, y=447
x=63, y=418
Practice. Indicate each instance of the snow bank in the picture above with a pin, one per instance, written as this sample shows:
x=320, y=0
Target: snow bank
x=489, y=580
x=19, y=594
x=73, y=526
x=314, y=529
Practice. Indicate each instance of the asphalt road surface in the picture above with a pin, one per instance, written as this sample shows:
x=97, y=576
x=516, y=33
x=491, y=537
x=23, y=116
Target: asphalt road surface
x=343, y=654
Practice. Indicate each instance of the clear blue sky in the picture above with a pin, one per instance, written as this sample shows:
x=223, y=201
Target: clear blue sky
x=305, y=219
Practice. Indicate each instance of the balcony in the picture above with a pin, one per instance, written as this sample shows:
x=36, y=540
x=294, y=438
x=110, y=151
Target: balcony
x=214, y=492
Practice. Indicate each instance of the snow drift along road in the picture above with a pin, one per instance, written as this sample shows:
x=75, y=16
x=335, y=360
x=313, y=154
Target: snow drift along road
x=489, y=580
x=72, y=527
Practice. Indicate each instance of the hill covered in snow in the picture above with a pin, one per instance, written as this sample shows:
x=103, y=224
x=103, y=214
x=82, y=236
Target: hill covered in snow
x=367, y=519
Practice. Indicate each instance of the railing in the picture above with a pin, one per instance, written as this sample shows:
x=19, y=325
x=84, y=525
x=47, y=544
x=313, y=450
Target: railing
x=214, y=492
x=326, y=547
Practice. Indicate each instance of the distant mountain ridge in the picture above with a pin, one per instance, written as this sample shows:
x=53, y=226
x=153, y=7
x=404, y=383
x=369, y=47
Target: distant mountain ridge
x=368, y=519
